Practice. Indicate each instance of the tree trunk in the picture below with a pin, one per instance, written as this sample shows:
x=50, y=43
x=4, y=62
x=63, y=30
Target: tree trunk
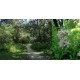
x=61, y=22
x=55, y=22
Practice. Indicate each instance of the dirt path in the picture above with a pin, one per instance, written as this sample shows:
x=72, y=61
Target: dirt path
x=32, y=55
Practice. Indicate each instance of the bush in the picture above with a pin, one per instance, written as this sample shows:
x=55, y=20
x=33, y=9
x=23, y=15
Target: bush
x=67, y=52
x=5, y=34
x=24, y=40
x=40, y=46
x=3, y=48
x=11, y=51
x=24, y=37
x=14, y=48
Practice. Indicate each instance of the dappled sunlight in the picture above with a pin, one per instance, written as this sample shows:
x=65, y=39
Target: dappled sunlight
x=76, y=33
x=23, y=34
x=14, y=49
x=75, y=29
x=31, y=51
x=25, y=38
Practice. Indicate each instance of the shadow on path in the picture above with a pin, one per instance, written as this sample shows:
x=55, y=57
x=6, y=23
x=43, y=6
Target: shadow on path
x=32, y=55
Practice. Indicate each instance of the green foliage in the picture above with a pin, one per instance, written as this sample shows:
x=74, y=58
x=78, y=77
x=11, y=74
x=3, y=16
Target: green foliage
x=24, y=37
x=11, y=51
x=67, y=52
x=71, y=23
x=40, y=46
x=14, y=35
x=14, y=48
x=6, y=33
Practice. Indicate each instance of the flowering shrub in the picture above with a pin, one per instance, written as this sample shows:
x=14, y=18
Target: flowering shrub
x=62, y=39
x=65, y=44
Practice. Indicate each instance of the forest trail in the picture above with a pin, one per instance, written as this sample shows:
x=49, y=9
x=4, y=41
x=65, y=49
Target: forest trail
x=29, y=48
x=32, y=55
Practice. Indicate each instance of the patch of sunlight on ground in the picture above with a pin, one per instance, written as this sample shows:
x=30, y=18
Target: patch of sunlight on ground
x=14, y=49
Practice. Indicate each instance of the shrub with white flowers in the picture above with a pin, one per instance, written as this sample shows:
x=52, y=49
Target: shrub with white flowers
x=62, y=39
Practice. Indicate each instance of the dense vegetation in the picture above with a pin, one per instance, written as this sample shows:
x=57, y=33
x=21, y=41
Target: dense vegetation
x=55, y=39
x=16, y=34
x=66, y=40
